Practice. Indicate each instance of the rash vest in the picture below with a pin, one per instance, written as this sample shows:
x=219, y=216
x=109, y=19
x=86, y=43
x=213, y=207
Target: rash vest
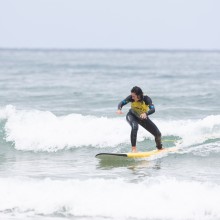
x=139, y=107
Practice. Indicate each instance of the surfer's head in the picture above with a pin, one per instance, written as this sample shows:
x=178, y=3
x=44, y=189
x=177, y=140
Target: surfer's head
x=137, y=94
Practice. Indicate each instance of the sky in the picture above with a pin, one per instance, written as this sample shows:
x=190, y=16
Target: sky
x=110, y=24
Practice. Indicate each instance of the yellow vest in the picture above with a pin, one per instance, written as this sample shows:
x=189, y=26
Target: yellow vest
x=139, y=107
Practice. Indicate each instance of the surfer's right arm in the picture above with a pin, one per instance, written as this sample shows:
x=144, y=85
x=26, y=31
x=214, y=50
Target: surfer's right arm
x=122, y=103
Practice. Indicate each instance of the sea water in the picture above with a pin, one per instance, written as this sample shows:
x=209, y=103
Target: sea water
x=58, y=110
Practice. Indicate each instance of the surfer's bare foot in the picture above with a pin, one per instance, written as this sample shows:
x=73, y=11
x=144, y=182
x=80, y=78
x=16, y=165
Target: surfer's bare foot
x=134, y=150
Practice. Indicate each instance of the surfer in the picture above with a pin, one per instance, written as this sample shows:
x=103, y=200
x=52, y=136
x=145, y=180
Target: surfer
x=141, y=107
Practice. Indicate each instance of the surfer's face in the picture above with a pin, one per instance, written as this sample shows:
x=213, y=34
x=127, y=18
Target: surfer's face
x=134, y=97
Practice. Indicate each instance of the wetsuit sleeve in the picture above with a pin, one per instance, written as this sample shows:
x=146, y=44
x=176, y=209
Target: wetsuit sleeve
x=151, y=109
x=124, y=102
x=148, y=102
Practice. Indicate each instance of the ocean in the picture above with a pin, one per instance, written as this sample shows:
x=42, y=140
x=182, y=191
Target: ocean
x=58, y=110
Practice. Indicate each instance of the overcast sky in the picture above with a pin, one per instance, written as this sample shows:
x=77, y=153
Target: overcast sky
x=134, y=24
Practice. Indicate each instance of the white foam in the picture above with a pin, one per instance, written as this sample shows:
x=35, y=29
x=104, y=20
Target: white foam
x=192, y=131
x=159, y=198
x=204, y=149
x=43, y=131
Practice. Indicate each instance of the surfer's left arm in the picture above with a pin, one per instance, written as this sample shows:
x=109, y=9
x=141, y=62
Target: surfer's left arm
x=151, y=109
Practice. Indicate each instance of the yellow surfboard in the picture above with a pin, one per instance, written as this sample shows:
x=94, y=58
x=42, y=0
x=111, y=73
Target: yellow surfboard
x=135, y=155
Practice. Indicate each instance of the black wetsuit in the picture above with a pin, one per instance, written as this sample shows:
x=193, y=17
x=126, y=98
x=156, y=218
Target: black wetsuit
x=134, y=119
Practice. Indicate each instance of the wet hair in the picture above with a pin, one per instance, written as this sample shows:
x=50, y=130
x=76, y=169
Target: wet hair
x=138, y=91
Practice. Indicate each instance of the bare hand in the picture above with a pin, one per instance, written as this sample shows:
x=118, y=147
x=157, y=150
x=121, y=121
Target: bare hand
x=143, y=116
x=119, y=112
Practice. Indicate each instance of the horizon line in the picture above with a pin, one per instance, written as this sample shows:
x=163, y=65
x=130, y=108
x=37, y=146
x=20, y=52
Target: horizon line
x=110, y=49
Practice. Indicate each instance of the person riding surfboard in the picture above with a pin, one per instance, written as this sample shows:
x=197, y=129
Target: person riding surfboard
x=141, y=108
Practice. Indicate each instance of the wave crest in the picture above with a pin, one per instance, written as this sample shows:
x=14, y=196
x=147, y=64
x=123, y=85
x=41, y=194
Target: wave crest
x=43, y=131
x=156, y=198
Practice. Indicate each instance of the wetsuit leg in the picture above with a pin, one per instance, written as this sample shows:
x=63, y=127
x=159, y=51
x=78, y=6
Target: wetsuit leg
x=132, y=120
x=152, y=128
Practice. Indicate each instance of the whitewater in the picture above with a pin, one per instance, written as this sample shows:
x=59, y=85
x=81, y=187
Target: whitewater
x=58, y=110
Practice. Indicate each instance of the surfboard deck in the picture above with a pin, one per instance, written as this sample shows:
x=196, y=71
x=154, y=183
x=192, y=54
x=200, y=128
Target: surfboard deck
x=136, y=155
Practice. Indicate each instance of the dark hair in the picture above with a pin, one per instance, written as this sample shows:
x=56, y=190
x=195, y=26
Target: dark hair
x=138, y=91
